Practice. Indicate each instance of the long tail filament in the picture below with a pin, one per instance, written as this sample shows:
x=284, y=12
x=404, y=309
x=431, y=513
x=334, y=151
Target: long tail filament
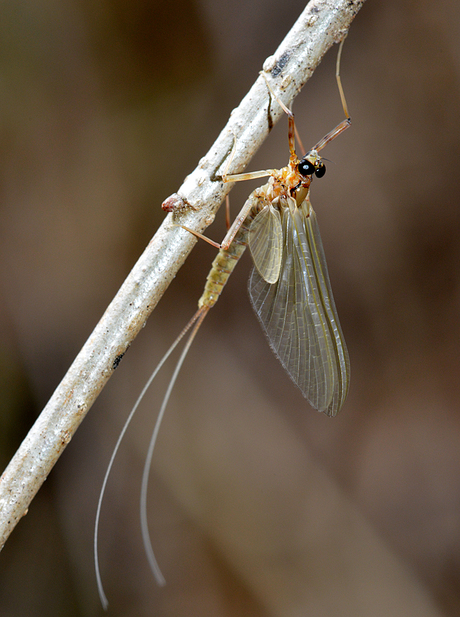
x=196, y=320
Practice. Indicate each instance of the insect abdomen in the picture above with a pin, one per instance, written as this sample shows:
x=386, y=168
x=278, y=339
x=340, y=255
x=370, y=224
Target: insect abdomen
x=222, y=267
x=226, y=259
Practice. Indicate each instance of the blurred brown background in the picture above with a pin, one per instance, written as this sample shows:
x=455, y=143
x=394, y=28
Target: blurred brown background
x=258, y=505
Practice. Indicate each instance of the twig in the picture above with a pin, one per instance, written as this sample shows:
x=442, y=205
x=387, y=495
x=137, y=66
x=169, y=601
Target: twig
x=322, y=23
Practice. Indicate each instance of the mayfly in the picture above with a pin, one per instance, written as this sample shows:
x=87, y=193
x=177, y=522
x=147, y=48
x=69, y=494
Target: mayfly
x=289, y=289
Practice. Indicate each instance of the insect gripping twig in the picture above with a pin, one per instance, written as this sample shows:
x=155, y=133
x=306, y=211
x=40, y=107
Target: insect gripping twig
x=322, y=23
x=289, y=289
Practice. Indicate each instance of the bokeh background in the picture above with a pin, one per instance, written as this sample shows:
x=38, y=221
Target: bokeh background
x=258, y=505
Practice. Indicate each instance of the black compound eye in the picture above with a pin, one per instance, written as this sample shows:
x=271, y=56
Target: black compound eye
x=320, y=170
x=306, y=168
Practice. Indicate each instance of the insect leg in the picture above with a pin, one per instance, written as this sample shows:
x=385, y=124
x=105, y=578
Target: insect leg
x=340, y=128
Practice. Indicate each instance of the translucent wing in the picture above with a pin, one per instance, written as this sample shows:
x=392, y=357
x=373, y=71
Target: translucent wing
x=266, y=243
x=298, y=314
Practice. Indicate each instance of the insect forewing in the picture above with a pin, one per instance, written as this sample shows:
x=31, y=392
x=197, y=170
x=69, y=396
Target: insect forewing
x=298, y=314
x=336, y=343
x=266, y=243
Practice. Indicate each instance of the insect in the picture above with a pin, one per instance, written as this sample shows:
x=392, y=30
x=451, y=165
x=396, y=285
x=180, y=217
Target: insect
x=289, y=289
